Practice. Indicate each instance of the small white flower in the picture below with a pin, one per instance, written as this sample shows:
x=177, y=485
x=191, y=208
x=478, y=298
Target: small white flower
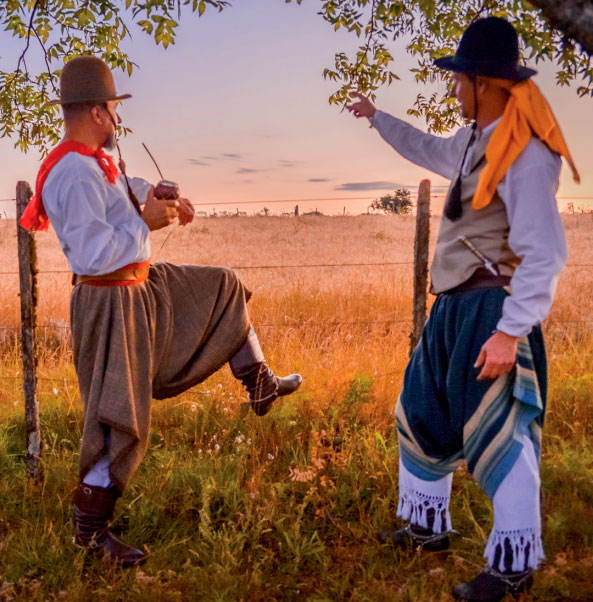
x=55, y=391
x=292, y=423
x=216, y=447
x=270, y=457
x=249, y=441
x=193, y=407
x=252, y=495
x=239, y=439
x=199, y=451
x=15, y=403
x=225, y=409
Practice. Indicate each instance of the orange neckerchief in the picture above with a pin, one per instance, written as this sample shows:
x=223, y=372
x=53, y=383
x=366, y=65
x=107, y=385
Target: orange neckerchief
x=34, y=217
x=527, y=113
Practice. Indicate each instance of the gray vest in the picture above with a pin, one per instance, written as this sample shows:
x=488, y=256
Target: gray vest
x=487, y=229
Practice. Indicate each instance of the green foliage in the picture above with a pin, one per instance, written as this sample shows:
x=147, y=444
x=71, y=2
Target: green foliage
x=399, y=202
x=67, y=28
x=429, y=34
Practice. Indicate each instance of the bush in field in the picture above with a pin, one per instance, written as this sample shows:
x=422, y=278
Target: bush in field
x=399, y=202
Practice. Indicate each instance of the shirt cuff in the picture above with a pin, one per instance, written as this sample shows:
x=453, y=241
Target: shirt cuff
x=513, y=328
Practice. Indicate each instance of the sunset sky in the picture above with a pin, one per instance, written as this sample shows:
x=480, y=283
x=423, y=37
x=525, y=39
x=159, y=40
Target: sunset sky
x=237, y=110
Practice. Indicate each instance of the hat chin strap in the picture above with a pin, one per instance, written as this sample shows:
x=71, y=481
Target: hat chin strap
x=475, y=86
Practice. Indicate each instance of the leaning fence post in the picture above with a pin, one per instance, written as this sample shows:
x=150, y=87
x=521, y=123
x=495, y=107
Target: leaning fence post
x=28, y=293
x=421, y=261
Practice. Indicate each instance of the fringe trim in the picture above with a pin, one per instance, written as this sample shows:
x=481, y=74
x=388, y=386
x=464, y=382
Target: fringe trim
x=414, y=506
x=528, y=550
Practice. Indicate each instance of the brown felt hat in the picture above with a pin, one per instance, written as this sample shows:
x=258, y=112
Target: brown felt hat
x=87, y=79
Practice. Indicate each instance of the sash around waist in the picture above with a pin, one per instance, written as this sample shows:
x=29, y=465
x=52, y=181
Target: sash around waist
x=130, y=274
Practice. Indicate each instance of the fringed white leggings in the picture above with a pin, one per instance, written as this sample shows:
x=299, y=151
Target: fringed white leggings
x=515, y=542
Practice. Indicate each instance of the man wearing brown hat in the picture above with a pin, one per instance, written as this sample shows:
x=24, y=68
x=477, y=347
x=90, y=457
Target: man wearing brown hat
x=475, y=386
x=139, y=330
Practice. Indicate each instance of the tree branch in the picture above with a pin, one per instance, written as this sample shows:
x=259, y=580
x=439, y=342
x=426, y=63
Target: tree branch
x=574, y=18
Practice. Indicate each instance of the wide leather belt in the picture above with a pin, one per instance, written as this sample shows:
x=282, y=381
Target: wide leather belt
x=129, y=274
x=481, y=278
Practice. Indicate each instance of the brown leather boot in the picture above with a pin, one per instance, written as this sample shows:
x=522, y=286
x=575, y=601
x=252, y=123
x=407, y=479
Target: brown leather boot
x=93, y=509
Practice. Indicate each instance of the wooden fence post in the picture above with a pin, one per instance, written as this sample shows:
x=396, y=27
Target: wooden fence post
x=28, y=293
x=421, y=261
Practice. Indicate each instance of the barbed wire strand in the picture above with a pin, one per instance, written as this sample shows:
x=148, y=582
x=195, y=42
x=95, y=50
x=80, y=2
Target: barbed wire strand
x=295, y=266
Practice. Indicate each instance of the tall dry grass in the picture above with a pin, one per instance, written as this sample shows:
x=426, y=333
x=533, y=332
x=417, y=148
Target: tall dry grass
x=285, y=507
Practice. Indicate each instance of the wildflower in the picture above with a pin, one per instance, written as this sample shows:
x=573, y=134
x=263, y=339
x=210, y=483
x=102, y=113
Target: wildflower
x=270, y=457
x=15, y=403
x=55, y=391
x=199, y=451
x=292, y=423
x=225, y=409
x=216, y=447
x=193, y=407
x=239, y=439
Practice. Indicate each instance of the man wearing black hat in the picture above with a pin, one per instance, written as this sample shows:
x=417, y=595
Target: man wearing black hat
x=138, y=330
x=475, y=387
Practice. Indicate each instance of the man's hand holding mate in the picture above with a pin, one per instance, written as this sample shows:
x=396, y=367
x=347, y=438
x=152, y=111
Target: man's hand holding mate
x=186, y=211
x=159, y=213
x=497, y=356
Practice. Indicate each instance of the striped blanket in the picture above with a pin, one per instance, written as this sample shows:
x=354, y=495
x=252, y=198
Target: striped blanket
x=445, y=416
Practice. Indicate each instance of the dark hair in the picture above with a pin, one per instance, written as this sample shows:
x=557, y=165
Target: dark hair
x=74, y=110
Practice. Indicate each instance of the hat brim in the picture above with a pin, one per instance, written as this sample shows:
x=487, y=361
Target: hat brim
x=459, y=64
x=59, y=101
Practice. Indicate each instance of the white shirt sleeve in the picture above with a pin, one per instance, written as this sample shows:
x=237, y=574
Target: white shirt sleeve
x=435, y=153
x=79, y=204
x=139, y=187
x=536, y=237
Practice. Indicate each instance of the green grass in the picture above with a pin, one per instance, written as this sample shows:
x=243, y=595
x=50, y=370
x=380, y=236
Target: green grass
x=286, y=507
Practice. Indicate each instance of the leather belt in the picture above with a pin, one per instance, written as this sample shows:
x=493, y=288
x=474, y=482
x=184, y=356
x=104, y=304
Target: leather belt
x=133, y=273
x=481, y=278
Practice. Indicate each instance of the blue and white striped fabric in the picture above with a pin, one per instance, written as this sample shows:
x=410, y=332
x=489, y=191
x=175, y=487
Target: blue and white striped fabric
x=446, y=417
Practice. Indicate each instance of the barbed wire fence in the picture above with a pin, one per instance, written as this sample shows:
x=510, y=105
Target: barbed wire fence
x=28, y=275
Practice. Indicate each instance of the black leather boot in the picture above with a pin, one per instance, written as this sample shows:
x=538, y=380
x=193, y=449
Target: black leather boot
x=93, y=509
x=490, y=586
x=263, y=388
x=413, y=536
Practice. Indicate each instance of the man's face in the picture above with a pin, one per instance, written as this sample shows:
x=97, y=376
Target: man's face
x=462, y=88
x=113, y=119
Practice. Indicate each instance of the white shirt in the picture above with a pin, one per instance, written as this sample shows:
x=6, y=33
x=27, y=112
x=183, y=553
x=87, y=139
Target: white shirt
x=528, y=191
x=98, y=227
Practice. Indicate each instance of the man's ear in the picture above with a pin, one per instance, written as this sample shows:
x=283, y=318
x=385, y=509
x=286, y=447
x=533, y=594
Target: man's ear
x=482, y=84
x=97, y=115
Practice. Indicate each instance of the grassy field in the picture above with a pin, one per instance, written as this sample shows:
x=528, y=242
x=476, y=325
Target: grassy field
x=284, y=507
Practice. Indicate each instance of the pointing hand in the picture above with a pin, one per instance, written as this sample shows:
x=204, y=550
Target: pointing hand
x=363, y=108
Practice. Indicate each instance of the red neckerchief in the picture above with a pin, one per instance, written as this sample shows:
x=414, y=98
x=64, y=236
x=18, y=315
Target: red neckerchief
x=34, y=217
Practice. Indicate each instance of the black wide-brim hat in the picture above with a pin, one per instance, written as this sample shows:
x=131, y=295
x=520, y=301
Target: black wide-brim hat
x=488, y=47
x=87, y=79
